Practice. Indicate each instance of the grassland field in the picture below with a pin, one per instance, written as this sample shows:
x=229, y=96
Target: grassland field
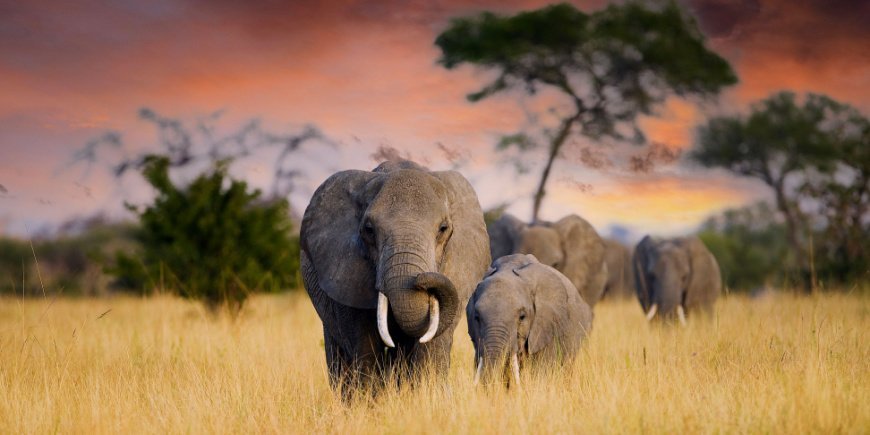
x=780, y=364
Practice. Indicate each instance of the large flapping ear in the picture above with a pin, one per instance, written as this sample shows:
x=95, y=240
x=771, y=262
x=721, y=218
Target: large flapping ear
x=640, y=261
x=550, y=296
x=705, y=279
x=504, y=235
x=330, y=237
x=466, y=256
x=584, y=256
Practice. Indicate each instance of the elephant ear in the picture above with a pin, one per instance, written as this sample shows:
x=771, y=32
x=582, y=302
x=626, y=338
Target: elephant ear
x=504, y=234
x=466, y=256
x=640, y=261
x=584, y=257
x=551, y=298
x=330, y=237
x=705, y=279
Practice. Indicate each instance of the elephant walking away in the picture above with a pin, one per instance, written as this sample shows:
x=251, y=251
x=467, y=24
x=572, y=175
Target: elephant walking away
x=524, y=312
x=389, y=258
x=569, y=245
x=675, y=278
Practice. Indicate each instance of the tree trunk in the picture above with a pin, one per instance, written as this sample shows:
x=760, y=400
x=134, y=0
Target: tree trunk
x=555, y=147
x=793, y=227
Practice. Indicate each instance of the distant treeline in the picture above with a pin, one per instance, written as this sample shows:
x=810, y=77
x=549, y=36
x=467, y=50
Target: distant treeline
x=100, y=257
x=70, y=262
x=751, y=245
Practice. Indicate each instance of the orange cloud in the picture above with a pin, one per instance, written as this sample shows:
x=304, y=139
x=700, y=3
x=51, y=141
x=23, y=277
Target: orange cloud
x=667, y=205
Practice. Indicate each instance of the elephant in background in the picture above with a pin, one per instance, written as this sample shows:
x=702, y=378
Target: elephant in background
x=524, y=311
x=389, y=258
x=569, y=245
x=676, y=277
x=620, y=275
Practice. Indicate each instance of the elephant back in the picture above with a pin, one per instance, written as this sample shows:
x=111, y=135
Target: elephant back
x=584, y=261
x=504, y=235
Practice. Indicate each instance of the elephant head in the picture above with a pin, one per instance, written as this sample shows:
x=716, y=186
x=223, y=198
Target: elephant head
x=569, y=245
x=403, y=240
x=674, y=275
x=521, y=309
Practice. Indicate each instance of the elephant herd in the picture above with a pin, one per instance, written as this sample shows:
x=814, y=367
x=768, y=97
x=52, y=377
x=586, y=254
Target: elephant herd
x=391, y=257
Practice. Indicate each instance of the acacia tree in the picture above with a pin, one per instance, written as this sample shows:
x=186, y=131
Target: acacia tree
x=611, y=65
x=815, y=153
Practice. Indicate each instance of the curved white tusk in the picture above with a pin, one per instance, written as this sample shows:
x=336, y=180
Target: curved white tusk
x=479, y=371
x=515, y=368
x=681, y=313
x=652, y=312
x=434, y=318
x=383, y=330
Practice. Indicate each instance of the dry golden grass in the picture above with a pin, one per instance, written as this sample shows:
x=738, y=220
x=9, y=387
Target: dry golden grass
x=783, y=364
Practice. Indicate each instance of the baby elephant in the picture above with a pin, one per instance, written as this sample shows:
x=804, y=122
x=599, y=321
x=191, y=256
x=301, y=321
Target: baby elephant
x=524, y=310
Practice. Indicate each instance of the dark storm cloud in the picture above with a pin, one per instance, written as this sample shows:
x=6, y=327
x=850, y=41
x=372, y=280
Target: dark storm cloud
x=817, y=29
x=723, y=18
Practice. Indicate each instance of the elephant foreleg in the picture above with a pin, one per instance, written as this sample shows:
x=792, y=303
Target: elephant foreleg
x=433, y=357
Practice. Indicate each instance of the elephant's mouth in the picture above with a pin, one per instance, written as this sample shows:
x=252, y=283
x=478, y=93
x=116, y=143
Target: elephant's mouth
x=441, y=307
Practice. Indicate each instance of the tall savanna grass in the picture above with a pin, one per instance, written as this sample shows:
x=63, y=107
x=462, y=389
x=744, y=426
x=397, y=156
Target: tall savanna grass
x=783, y=364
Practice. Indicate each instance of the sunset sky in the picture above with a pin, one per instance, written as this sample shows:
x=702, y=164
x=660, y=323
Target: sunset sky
x=365, y=74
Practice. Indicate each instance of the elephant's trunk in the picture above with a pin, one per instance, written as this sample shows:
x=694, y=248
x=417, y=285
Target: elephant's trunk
x=424, y=303
x=498, y=356
x=443, y=303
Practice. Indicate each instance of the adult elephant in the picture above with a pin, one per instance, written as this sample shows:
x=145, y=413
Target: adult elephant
x=389, y=258
x=569, y=245
x=620, y=275
x=675, y=277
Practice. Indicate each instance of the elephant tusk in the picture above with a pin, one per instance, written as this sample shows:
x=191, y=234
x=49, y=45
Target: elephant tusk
x=383, y=330
x=515, y=368
x=681, y=313
x=652, y=312
x=479, y=371
x=434, y=318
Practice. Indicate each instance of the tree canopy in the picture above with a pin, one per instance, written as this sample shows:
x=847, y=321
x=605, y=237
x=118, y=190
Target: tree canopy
x=612, y=65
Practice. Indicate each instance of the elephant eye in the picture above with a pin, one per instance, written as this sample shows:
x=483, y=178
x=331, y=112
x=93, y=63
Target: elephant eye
x=443, y=227
x=522, y=316
x=368, y=229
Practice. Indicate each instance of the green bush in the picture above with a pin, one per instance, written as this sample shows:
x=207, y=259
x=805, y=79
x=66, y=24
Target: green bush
x=212, y=240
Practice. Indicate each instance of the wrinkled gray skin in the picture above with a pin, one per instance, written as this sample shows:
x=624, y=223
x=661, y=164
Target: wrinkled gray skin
x=620, y=273
x=570, y=245
x=403, y=231
x=527, y=309
x=673, y=273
